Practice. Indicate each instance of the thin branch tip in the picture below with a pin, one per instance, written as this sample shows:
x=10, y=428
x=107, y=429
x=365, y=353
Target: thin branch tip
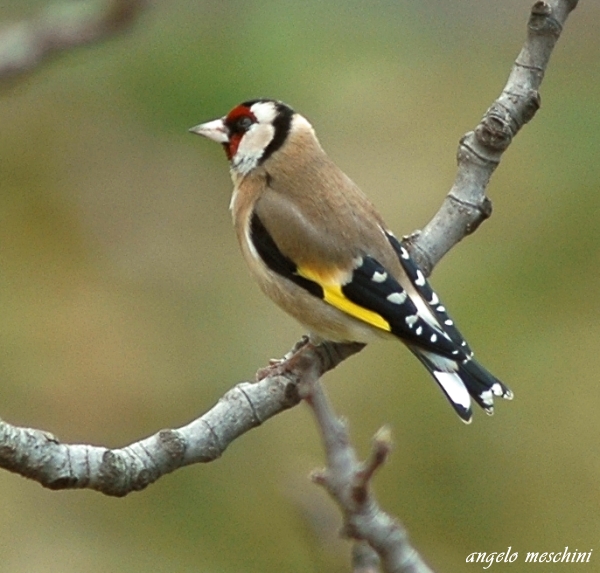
x=383, y=438
x=319, y=477
x=62, y=26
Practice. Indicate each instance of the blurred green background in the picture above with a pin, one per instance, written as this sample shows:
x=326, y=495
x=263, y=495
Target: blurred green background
x=125, y=306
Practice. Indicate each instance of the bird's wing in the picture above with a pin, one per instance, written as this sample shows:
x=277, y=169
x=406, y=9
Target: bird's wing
x=363, y=289
x=421, y=284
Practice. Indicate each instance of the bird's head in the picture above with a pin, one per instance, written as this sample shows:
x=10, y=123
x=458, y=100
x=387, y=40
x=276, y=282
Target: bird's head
x=251, y=132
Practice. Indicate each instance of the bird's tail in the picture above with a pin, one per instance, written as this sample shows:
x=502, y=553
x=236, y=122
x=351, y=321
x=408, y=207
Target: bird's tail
x=462, y=380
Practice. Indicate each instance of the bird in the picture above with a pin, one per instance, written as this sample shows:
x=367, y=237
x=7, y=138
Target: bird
x=320, y=250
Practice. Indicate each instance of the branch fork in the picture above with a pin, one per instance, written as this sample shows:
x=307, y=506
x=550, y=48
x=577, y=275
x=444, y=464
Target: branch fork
x=348, y=482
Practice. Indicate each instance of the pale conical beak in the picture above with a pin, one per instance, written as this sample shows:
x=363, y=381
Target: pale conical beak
x=214, y=130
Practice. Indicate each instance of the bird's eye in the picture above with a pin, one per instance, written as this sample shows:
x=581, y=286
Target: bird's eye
x=243, y=124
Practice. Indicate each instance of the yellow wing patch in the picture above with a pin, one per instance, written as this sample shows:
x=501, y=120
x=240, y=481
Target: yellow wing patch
x=331, y=282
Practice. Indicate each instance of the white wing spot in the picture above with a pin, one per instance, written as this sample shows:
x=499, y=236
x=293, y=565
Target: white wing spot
x=448, y=322
x=419, y=330
x=497, y=389
x=441, y=308
x=434, y=299
x=455, y=352
x=420, y=278
x=397, y=297
x=411, y=319
x=463, y=343
x=379, y=277
x=404, y=253
x=433, y=338
x=487, y=398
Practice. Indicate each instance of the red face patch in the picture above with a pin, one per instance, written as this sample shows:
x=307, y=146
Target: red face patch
x=238, y=122
x=232, y=147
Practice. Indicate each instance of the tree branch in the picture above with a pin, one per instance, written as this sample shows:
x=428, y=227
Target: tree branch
x=347, y=481
x=60, y=27
x=40, y=456
x=479, y=152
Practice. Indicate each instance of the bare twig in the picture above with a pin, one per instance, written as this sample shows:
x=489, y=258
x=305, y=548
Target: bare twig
x=25, y=45
x=42, y=457
x=479, y=152
x=347, y=481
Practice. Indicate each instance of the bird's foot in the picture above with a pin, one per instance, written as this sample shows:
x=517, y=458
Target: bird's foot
x=281, y=366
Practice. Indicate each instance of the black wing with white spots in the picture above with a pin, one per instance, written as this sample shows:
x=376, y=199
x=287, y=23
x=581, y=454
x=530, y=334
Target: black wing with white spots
x=481, y=384
x=427, y=293
x=373, y=288
x=442, y=350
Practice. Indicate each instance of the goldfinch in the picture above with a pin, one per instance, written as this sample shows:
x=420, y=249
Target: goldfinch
x=319, y=249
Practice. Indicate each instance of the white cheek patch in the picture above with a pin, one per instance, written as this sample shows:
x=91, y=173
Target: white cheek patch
x=252, y=146
x=256, y=139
